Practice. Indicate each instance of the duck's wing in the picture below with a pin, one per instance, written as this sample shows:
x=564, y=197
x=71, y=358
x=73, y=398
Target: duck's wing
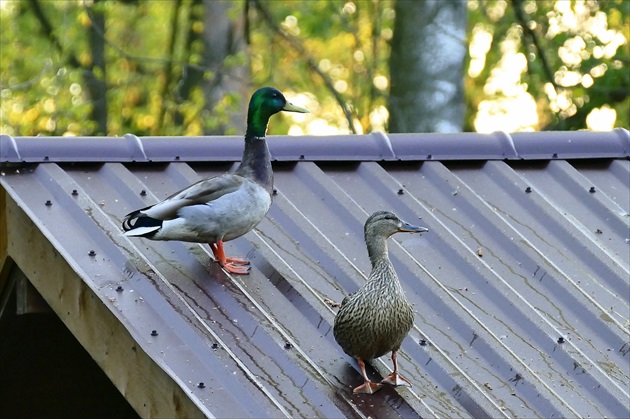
x=200, y=193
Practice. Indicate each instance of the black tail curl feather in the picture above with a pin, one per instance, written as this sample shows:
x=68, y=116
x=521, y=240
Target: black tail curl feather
x=140, y=221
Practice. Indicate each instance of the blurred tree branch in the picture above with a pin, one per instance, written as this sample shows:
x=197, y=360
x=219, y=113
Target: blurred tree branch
x=95, y=83
x=95, y=75
x=533, y=36
x=190, y=76
x=143, y=58
x=309, y=60
x=365, y=94
x=168, y=67
x=48, y=32
x=47, y=66
x=375, y=35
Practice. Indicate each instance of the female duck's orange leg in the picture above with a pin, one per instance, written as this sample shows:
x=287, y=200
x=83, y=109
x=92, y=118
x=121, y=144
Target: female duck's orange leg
x=231, y=264
x=394, y=378
x=367, y=387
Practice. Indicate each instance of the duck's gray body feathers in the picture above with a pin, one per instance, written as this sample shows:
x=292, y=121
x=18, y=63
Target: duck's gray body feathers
x=222, y=208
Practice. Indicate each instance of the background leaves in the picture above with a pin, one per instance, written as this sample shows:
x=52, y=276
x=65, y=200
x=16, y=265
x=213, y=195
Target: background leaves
x=549, y=64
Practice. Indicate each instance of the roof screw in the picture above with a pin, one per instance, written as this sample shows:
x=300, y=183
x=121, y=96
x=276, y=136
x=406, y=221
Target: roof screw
x=154, y=333
x=91, y=253
x=176, y=157
x=215, y=346
x=528, y=189
x=592, y=190
x=288, y=346
x=423, y=342
x=401, y=191
x=560, y=339
x=48, y=203
x=75, y=192
x=46, y=158
x=301, y=156
x=554, y=156
x=119, y=289
x=274, y=192
x=143, y=192
x=201, y=385
x=429, y=156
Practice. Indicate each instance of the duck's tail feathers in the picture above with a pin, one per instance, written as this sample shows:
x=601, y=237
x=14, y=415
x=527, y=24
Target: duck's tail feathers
x=136, y=224
x=141, y=231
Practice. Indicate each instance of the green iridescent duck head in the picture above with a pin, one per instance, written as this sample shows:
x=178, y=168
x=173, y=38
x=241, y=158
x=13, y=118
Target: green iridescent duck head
x=264, y=103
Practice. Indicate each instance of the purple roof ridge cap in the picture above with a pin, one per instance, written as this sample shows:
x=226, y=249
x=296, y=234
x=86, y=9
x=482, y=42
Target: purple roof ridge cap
x=8, y=149
x=572, y=144
x=193, y=148
x=370, y=147
x=507, y=144
x=67, y=149
x=375, y=146
x=624, y=138
x=135, y=148
x=386, y=143
x=452, y=146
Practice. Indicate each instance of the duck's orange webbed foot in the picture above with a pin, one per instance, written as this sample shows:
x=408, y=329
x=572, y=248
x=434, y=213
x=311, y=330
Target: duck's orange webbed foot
x=237, y=260
x=396, y=380
x=235, y=265
x=236, y=269
x=367, y=388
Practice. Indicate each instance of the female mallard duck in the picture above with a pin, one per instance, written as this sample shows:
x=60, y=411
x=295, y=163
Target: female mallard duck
x=224, y=207
x=374, y=320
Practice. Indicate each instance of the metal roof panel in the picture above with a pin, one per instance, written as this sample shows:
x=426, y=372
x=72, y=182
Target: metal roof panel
x=520, y=253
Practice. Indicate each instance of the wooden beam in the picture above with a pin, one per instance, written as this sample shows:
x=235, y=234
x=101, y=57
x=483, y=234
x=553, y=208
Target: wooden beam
x=29, y=301
x=147, y=387
x=4, y=262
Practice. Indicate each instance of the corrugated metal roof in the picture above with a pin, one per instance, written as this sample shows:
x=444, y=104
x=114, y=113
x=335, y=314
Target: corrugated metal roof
x=521, y=288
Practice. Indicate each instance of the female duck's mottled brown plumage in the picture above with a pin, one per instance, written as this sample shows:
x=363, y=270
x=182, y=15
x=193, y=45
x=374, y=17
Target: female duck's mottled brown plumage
x=374, y=320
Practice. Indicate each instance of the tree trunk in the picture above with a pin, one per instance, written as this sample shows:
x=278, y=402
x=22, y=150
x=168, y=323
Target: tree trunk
x=94, y=75
x=167, y=71
x=225, y=52
x=192, y=75
x=427, y=66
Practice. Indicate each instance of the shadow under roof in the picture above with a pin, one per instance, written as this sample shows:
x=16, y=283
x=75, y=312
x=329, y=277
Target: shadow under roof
x=521, y=287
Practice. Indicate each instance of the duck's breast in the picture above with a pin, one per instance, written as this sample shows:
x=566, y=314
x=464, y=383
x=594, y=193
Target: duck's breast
x=370, y=326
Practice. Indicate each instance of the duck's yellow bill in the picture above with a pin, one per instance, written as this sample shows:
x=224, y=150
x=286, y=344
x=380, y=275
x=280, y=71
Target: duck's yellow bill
x=290, y=107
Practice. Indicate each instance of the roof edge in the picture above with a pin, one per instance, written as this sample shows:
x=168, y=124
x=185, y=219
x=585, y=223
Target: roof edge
x=376, y=146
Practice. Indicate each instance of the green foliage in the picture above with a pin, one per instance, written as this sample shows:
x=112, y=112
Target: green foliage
x=325, y=52
x=346, y=41
x=43, y=91
x=577, y=54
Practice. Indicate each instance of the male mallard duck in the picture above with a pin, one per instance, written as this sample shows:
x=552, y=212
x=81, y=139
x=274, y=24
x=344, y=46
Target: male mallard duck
x=224, y=207
x=374, y=320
